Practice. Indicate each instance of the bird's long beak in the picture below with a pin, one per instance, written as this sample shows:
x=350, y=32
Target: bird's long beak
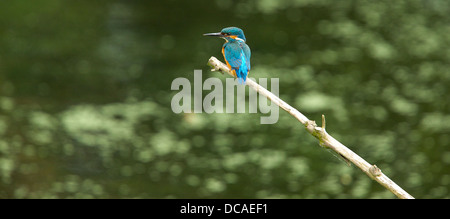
x=213, y=34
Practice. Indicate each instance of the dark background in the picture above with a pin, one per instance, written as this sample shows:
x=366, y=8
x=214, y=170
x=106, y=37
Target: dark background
x=85, y=99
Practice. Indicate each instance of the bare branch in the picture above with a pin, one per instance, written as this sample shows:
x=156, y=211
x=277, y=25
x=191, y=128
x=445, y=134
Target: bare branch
x=325, y=140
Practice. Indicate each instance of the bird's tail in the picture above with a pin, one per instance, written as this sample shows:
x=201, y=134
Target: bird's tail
x=241, y=75
x=241, y=80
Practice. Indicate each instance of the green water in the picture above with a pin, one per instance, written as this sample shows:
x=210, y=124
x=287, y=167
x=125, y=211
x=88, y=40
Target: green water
x=85, y=99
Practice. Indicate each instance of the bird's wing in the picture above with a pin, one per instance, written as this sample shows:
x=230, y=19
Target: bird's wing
x=238, y=57
x=233, y=53
x=247, y=54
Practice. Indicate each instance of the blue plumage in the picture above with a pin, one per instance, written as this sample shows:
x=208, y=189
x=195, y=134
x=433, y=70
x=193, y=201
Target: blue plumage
x=235, y=51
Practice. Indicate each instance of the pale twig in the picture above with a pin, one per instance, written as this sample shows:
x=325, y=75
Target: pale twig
x=325, y=140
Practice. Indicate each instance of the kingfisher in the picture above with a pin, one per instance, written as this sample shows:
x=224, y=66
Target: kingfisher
x=235, y=51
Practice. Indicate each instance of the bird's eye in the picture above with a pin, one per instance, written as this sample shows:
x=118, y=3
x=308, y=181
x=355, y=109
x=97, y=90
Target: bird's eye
x=226, y=34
